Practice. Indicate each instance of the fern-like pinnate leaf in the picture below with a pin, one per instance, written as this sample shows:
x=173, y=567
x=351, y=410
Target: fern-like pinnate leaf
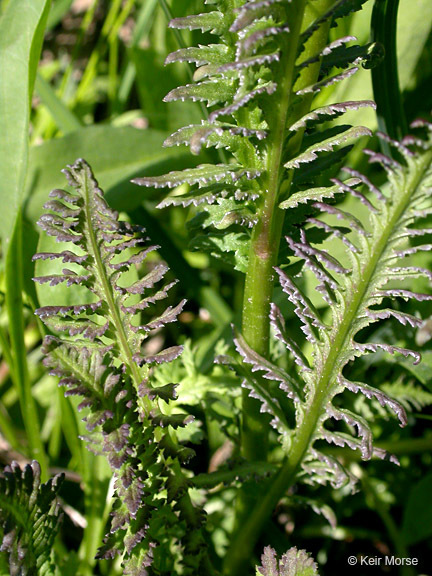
x=258, y=82
x=97, y=352
x=363, y=285
x=277, y=151
x=29, y=519
x=293, y=563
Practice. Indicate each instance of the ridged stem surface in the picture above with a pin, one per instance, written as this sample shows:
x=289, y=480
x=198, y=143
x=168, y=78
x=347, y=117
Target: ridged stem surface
x=266, y=236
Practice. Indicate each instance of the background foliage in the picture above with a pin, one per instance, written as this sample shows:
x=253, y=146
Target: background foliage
x=95, y=76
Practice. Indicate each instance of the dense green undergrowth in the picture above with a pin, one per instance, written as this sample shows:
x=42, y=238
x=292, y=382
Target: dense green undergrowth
x=215, y=326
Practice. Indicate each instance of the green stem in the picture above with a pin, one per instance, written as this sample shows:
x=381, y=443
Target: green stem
x=7, y=354
x=213, y=479
x=265, y=242
x=14, y=305
x=263, y=254
x=267, y=233
x=95, y=496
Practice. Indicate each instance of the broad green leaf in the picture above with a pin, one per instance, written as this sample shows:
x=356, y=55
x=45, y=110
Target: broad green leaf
x=21, y=35
x=4, y=568
x=116, y=153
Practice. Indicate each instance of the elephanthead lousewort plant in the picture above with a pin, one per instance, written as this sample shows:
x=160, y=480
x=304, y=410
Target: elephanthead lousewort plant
x=329, y=257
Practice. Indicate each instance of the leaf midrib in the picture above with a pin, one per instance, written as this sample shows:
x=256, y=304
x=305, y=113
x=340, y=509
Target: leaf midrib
x=326, y=386
x=107, y=289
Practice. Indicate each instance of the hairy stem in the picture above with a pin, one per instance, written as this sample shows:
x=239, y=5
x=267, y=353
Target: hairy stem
x=259, y=283
x=266, y=235
x=263, y=253
x=265, y=242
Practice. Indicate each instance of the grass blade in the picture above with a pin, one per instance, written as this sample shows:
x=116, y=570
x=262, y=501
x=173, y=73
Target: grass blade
x=142, y=28
x=14, y=306
x=62, y=116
